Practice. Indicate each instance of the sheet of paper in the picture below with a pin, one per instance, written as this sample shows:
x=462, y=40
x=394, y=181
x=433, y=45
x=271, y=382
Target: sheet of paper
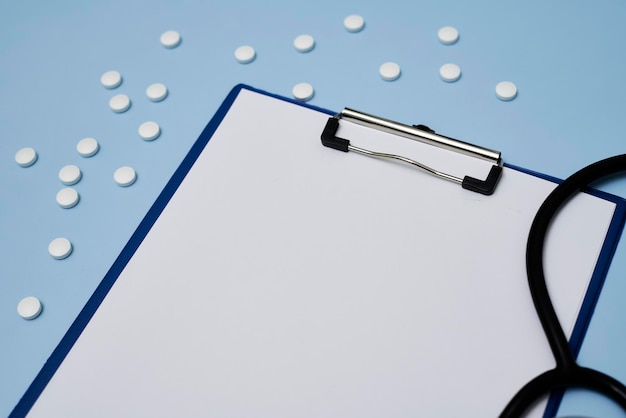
x=286, y=279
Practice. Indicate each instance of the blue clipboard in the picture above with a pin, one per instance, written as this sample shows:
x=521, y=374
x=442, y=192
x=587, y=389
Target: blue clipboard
x=217, y=127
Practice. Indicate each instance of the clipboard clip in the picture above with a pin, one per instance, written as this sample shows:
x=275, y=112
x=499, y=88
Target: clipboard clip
x=420, y=133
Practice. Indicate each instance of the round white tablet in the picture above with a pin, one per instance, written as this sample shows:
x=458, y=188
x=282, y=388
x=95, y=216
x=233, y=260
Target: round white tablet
x=303, y=92
x=156, y=92
x=149, y=131
x=448, y=35
x=170, y=39
x=26, y=157
x=506, y=90
x=125, y=176
x=111, y=79
x=389, y=71
x=69, y=175
x=60, y=248
x=354, y=23
x=67, y=198
x=87, y=147
x=29, y=307
x=245, y=54
x=449, y=72
x=119, y=103
x=304, y=43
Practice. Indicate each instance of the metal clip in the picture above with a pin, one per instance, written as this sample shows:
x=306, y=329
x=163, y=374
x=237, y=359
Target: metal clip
x=422, y=134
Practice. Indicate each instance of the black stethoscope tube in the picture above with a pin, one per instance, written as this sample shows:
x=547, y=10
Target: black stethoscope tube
x=567, y=372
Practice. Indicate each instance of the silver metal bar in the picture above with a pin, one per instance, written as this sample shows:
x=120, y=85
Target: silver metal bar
x=406, y=160
x=420, y=135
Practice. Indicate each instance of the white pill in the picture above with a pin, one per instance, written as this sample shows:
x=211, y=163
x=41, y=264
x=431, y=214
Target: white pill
x=67, y=198
x=60, y=248
x=69, y=175
x=450, y=72
x=354, y=23
x=119, y=103
x=170, y=39
x=149, y=131
x=26, y=157
x=448, y=35
x=29, y=307
x=87, y=147
x=303, y=92
x=111, y=79
x=124, y=176
x=506, y=90
x=304, y=43
x=156, y=92
x=389, y=71
x=245, y=54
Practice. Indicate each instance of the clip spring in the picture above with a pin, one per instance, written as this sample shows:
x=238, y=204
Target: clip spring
x=422, y=134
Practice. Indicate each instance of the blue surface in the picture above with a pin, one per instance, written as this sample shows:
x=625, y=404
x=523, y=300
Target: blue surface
x=566, y=58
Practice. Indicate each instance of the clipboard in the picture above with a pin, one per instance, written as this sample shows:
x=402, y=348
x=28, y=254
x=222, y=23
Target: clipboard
x=274, y=276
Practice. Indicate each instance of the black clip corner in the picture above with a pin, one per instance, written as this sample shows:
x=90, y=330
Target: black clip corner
x=487, y=186
x=329, y=138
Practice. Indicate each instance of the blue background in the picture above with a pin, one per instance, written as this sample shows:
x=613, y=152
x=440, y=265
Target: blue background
x=567, y=59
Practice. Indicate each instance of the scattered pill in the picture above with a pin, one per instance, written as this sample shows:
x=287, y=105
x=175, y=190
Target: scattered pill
x=170, y=39
x=450, y=72
x=26, y=157
x=156, y=92
x=506, y=90
x=60, y=248
x=448, y=35
x=69, y=175
x=125, y=176
x=149, y=131
x=29, y=307
x=389, y=71
x=67, y=198
x=111, y=79
x=119, y=103
x=304, y=43
x=303, y=92
x=245, y=54
x=87, y=147
x=354, y=23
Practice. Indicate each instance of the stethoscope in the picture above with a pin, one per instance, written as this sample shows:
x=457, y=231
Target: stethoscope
x=567, y=372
